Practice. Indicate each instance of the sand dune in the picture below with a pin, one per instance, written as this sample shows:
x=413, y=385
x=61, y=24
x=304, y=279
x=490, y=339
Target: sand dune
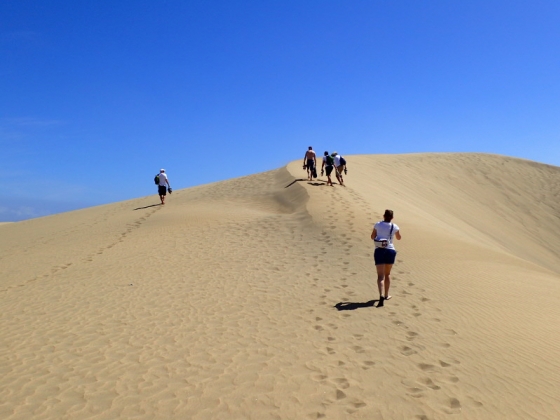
x=221, y=304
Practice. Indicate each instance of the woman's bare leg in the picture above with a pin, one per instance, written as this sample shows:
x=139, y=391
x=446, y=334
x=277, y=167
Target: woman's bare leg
x=387, y=274
x=380, y=278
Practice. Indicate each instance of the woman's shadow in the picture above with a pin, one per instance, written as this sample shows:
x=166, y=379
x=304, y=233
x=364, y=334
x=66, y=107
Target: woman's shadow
x=350, y=306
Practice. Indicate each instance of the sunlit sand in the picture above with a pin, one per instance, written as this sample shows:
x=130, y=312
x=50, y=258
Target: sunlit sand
x=253, y=298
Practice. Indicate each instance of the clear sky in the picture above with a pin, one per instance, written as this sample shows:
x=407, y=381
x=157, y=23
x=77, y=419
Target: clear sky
x=97, y=96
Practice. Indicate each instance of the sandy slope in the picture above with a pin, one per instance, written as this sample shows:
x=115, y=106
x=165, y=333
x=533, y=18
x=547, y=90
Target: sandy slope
x=221, y=304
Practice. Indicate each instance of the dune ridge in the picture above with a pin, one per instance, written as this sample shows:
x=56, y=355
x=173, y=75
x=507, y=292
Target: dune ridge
x=255, y=298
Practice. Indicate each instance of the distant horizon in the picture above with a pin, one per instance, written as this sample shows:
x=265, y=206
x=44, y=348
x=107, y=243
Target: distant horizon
x=97, y=97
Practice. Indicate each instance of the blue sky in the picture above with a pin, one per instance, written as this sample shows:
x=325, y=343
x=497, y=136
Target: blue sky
x=96, y=96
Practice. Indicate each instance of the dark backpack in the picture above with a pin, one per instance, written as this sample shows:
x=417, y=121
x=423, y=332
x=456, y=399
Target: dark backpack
x=330, y=160
x=156, y=179
x=342, y=161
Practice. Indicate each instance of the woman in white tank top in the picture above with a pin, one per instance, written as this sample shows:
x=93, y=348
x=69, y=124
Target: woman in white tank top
x=383, y=234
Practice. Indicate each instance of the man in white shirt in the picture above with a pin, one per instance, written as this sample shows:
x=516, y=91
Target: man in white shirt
x=339, y=167
x=163, y=184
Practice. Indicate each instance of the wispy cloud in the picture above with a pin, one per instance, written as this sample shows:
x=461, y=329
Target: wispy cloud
x=30, y=122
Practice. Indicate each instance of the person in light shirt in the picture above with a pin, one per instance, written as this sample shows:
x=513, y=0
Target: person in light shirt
x=163, y=185
x=339, y=167
x=385, y=253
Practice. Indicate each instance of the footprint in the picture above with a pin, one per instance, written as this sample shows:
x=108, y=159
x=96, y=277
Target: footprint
x=407, y=351
x=426, y=367
x=454, y=403
x=342, y=382
x=454, y=406
x=411, y=335
x=358, y=404
x=415, y=391
x=476, y=403
x=430, y=384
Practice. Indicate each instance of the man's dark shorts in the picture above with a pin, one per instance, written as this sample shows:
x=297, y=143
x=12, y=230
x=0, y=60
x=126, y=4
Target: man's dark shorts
x=384, y=256
x=162, y=190
x=328, y=169
x=310, y=164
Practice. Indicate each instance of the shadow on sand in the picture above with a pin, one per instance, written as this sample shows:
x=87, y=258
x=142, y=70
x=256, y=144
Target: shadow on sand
x=315, y=183
x=146, y=207
x=350, y=306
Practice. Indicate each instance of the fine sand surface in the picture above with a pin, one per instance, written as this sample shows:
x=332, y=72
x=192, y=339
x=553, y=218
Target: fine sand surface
x=254, y=298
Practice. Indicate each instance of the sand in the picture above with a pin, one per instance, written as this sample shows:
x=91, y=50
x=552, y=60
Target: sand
x=222, y=304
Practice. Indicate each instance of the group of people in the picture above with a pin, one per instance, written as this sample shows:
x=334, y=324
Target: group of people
x=331, y=162
x=383, y=231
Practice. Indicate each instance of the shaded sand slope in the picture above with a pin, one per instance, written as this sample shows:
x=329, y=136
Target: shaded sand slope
x=221, y=304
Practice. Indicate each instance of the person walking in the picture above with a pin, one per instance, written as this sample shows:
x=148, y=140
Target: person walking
x=310, y=163
x=163, y=185
x=340, y=165
x=385, y=253
x=327, y=166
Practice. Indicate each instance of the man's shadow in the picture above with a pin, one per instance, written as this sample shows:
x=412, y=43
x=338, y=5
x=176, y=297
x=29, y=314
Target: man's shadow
x=315, y=182
x=294, y=181
x=153, y=205
x=351, y=306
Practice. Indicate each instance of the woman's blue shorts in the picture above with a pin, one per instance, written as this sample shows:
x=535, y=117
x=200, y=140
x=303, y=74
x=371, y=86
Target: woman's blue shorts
x=384, y=256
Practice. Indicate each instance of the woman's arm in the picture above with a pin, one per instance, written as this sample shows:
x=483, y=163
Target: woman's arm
x=374, y=234
x=398, y=235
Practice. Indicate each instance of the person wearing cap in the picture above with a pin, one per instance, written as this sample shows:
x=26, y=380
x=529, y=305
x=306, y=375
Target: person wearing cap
x=163, y=185
x=339, y=167
x=328, y=165
x=385, y=253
